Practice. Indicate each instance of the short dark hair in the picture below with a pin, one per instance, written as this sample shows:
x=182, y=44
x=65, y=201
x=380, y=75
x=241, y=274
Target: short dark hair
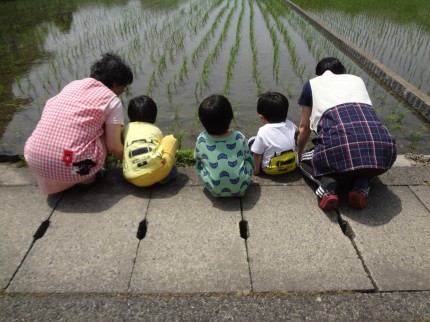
x=142, y=109
x=329, y=63
x=273, y=106
x=111, y=70
x=216, y=113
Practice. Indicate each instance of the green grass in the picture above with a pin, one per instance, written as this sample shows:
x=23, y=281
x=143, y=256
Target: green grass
x=185, y=158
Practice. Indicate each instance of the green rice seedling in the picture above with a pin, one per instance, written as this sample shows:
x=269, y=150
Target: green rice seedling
x=161, y=65
x=152, y=57
x=289, y=92
x=174, y=82
x=416, y=135
x=378, y=109
x=169, y=91
x=175, y=118
x=151, y=84
x=184, y=69
x=300, y=71
x=395, y=120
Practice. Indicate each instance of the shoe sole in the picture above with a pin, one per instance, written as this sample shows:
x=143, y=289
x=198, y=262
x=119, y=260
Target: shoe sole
x=356, y=200
x=329, y=202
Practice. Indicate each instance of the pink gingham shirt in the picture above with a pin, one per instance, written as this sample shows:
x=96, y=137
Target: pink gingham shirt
x=70, y=131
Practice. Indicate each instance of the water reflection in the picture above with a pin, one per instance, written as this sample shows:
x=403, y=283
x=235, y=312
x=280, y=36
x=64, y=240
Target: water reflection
x=180, y=52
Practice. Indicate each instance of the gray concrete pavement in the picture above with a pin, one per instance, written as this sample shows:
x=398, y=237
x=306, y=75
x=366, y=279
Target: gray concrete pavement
x=176, y=240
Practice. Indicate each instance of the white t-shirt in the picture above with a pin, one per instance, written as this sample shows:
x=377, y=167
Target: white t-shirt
x=114, y=113
x=274, y=137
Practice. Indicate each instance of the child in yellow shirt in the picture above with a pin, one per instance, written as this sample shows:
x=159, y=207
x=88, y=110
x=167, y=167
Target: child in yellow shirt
x=149, y=156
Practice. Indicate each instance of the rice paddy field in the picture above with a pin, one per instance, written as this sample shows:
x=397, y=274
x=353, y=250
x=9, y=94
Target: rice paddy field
x=183, y=51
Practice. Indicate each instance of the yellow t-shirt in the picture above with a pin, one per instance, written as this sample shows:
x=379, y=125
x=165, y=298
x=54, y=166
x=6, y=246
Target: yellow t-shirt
x=148, y=156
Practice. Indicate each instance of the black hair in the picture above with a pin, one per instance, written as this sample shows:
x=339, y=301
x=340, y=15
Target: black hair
x=273, y=106
x=330, y=63
x=216, y=113
x=111, y=70
x=142, y=109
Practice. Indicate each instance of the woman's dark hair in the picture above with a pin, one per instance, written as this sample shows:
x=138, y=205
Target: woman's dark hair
x=111, y=70
x=330, y=63
x=215, y=113
x=273, y=106
x=142, y=109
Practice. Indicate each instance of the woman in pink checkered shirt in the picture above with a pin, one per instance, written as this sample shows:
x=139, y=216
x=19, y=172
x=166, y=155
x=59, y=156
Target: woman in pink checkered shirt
x=79, y=126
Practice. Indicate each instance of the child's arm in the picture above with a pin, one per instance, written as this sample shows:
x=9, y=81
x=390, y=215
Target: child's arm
x=257, y=163
x=169, y=146
x=304, y=130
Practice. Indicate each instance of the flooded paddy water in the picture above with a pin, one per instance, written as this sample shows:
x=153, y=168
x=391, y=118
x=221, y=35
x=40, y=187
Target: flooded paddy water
x=182, y=51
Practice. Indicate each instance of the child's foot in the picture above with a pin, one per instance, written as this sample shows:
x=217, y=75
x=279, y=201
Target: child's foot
x=329, y=202
x=357, y=200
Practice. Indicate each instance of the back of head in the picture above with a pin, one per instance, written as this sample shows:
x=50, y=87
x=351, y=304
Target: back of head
x=111, y=70
x=273, y=106
x=216, y=113
x=330, y=63
x=142, y=109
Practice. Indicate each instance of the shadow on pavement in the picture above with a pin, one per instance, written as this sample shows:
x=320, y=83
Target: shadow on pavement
x=382, y=206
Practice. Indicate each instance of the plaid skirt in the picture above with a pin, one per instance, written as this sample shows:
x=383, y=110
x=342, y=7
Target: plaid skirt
x=351, y=137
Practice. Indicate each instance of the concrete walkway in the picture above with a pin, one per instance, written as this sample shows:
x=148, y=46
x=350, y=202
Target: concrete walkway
x=176, y=239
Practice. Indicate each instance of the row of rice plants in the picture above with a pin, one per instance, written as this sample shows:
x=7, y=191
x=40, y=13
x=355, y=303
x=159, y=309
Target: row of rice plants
x=183, y=70
x=317, y=44
x=234, y=51
x=276, y=9
x=274, y=38
x=172, y=45
x=216, y=49
x=254, y=50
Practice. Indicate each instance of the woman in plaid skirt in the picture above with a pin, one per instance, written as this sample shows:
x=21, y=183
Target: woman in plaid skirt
x=350, y=139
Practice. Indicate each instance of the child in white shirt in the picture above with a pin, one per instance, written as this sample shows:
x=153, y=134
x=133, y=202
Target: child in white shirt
x=274, y=146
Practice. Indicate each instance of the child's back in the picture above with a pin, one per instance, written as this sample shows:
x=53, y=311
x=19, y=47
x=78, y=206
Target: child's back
x=223, y=159
x=148, y=156
x=224, y=163
x=274, y=146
